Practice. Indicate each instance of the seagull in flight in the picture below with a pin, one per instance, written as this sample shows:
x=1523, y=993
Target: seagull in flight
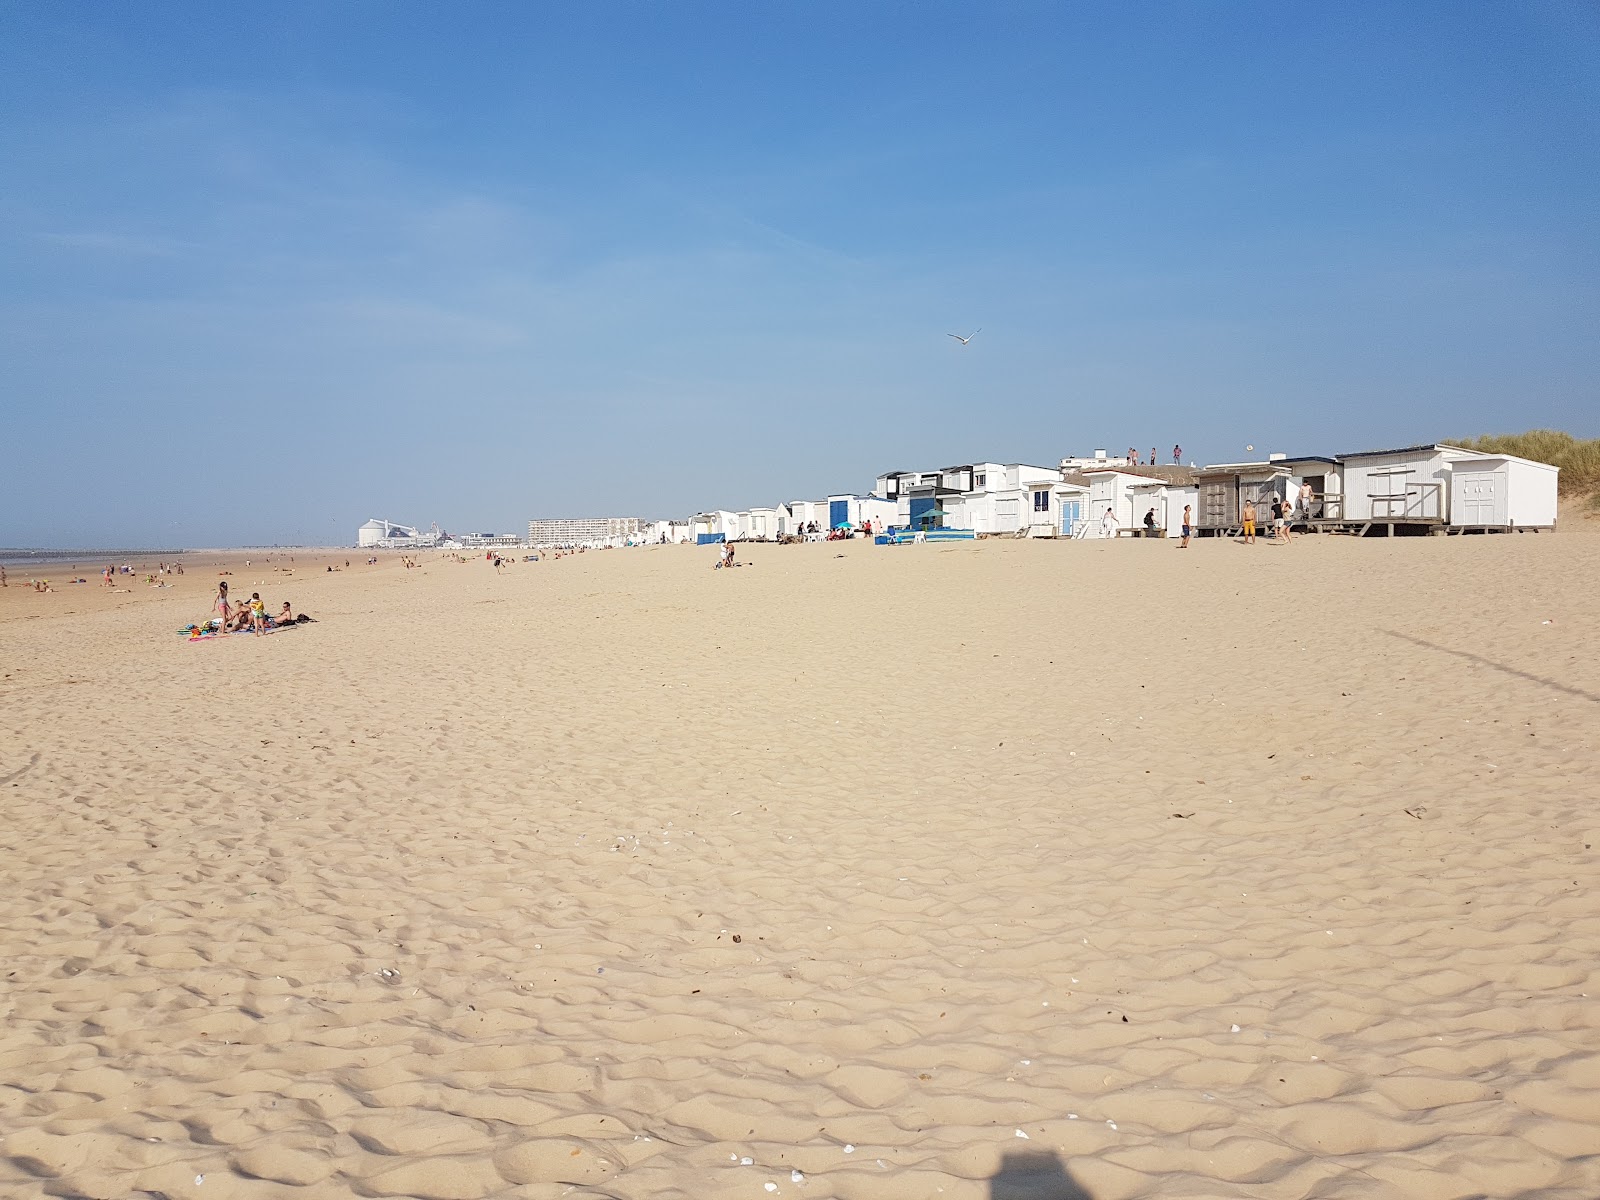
x=968, y=338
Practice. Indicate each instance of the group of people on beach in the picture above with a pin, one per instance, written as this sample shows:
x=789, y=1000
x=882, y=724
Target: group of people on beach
x=1285, y=511
x=251, y=614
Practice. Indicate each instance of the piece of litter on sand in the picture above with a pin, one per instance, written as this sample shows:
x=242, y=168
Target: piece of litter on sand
x=199, y=1179
x=1072, y=1116
x=849, y=1149
x=1235, y=1029
x=1113, y=1124
x=770, y=1186
x=796, y=1177
x=1022, y=1135
x=745, y=1162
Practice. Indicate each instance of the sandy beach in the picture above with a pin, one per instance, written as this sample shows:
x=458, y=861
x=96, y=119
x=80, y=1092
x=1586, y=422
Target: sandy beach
x=977, y=871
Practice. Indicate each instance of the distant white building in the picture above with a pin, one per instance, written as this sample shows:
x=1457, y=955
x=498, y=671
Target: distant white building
x=583, y=531
x=382, y=534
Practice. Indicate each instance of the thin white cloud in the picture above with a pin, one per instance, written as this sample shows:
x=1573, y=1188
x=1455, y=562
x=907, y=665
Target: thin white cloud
x=131, y=244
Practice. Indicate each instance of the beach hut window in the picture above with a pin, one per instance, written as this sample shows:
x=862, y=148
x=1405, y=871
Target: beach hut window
x=980, y=480
x=1041, y=502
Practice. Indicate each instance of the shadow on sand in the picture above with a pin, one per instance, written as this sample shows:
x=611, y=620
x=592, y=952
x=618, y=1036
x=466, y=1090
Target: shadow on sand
x=1035, y=1175
x=1489, y=662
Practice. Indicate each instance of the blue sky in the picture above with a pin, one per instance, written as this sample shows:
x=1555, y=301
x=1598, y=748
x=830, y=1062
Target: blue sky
x=269, y=270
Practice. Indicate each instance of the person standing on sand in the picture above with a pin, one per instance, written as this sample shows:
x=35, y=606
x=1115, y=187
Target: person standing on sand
x=1184, y=545
x=1306, y=496
x=1248, y=516
x=1108, y=524
x=221, y=607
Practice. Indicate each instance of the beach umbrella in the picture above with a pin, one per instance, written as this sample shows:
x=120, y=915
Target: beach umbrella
x=931, y=514
x=844, y=525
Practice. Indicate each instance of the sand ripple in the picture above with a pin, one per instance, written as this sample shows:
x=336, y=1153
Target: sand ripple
x=649, y=881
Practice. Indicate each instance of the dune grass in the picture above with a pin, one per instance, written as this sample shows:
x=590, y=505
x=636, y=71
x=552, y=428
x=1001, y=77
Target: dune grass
x=1578, y=459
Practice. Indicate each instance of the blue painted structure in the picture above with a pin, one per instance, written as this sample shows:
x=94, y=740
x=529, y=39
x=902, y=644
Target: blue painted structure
x=920, y=505
x=838, y=513
x=709, y=539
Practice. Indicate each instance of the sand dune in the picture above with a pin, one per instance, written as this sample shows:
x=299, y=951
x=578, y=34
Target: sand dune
x=996, y=870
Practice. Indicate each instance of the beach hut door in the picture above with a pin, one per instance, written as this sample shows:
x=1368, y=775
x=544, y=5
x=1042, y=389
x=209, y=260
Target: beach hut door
x=1477, y=499
x=1215, y=510
x=1071, y=514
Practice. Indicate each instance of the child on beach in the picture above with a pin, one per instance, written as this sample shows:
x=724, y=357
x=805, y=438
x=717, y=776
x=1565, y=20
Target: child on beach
x=222, y=607
x=258, y=614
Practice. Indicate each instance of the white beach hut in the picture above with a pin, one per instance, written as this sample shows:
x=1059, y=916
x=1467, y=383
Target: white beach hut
x=1501, y=491
x=1166, y=501
x=726, y=523
x=1112, y=489
x=764, y=524
x=1071, y=509
x=803, y=513
x=1440, y=487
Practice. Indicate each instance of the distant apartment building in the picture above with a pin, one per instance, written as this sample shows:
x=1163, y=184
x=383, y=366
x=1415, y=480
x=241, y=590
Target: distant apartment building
x=577, y=531
x=480, y=541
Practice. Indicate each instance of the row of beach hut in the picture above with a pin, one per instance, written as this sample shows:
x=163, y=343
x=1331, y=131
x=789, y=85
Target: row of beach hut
x=1432, y=488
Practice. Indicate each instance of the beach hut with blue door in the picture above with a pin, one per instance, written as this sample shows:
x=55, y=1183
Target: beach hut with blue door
x=1071, y=508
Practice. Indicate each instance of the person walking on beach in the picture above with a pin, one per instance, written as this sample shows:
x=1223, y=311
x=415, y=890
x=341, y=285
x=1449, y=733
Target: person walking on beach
x=1306, y=496
x=1108, y=524
x=1248, y=516
x=1184, y=545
